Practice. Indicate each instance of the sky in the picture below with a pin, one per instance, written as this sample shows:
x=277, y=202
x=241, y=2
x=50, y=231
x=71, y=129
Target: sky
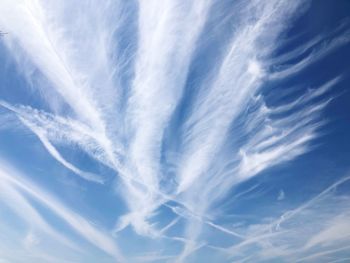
x=174, y=131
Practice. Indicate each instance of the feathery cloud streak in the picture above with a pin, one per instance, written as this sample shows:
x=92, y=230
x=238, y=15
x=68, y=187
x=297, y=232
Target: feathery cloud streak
x=15, y=188
x=183, y=102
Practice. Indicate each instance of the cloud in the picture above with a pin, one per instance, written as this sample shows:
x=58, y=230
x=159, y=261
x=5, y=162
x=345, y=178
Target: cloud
x=184, y=102
x=311, y=230
x=14, y=182
x=281, y=195
x=334, y=232
x=41, y=125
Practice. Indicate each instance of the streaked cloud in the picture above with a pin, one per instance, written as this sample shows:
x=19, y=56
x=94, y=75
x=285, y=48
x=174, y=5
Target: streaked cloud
x=15, y=188
x=182, y=105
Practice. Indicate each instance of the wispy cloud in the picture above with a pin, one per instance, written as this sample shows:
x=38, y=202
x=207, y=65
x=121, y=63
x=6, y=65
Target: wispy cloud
x=281, y=195
x=306, y=232
x=16, y=187
x=174, y=98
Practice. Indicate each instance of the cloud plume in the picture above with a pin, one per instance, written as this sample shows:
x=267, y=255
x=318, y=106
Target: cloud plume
x=183, y=103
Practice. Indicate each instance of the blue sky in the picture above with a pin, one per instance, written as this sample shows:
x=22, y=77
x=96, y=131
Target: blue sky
x=174, y=131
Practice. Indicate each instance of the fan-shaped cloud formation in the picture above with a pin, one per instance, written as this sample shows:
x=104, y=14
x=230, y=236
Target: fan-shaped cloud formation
x=181, y=103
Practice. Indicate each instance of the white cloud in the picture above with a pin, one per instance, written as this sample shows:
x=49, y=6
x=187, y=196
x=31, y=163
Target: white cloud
x=228, y=134
x=316, y=228
x=281, y=195
x=14, y=183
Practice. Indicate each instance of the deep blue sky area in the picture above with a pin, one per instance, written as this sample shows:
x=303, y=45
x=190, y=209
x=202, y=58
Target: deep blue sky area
x=174, y=131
